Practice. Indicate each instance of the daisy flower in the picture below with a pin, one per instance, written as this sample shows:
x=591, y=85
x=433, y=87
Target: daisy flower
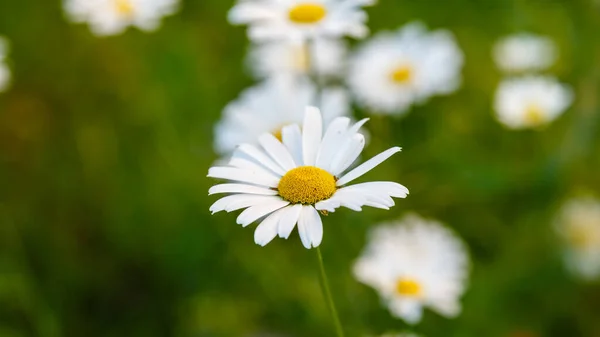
x=395, y=70
x=531, y=101
x=524, y=52
x=578, y=225
x=289, y=182
x=111, y=17
x=301, y=19
x=270, y=106
x=414, y=263
x=5, y=74
x=323, y=57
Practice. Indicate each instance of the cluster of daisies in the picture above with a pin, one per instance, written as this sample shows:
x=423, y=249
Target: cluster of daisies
x=526, y=98
x=289, y=147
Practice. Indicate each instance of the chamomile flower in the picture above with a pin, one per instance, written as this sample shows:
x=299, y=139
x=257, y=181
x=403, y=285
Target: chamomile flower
x=301, y=19
x=414, y=263
x=531, y=101
x=578, y=225
x=323, y=57
x=524, y=52
x=111, y=17
x=395, y=70
x=5, y=74
x=270, y=106
x=289, y=182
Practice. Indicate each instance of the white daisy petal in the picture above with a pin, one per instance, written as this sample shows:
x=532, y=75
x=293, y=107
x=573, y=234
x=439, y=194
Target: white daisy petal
x=288, y=220
x=240, y=188
x=292, y=139
x=312, y=131
x=256, y=212
x=347, y=154
x=267, y=229
x=315, y=224
x=238, y=201
x=261, y=157
x=367, y=166
x=304, y=227
x=243, y=175
x=277, y=151
x=331, y=141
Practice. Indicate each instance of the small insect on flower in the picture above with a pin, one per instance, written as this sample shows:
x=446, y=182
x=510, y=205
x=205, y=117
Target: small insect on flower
x=271, y=105
x=578, y=225
x=322, y=57
x=301, y=19
x=111, y=17
x=395, y=70
x=415, y=263
x=289, y=182
x=5, y=75
x=524, y=52
x=531, y=101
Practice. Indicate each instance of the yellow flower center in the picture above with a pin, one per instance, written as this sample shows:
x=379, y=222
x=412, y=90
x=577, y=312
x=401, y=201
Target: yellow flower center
x=277, y=134
x=124, y=7
x=408, y=287
x=307, y=13
x=534, y=115
x=402, y=74
x=306, y=185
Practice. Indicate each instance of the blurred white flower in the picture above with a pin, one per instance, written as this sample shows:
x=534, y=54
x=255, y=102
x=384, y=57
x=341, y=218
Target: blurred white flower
x=414, y=263
x=289, y=182
x=270, y=106
x=524, y=52
x=531, y=101
x=578, y=225
x=301, y=19
x=395, y=70
x=111, y=17
x=5, y=74
x=323, y=57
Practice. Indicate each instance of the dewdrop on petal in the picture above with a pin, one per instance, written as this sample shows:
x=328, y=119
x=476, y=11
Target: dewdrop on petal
x=395, y=70
x=289, y=182
x=524, y=52
x=299, y=20
x=5, y=74
x=322, y=57
x=415, y=263
x=531, y=101
x=271, y=105
x=111, y=17
x=578, y=226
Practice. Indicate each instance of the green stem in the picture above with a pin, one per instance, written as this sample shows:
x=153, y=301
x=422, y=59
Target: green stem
x=327, y=295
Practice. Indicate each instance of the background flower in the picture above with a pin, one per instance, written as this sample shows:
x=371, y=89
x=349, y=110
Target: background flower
x=415, y=263
x=301, y=19
x=524, y=52
x=5, y=74
x=393, y=71
x=531, y=101
x=323, y=57
x=110, y=17
x=578, y=225
x=271, y=105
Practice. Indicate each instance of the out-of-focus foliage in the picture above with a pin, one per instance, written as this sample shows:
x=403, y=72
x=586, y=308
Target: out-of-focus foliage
x=105, y=145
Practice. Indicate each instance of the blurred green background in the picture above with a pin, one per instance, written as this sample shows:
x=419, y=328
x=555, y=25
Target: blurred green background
x=105, y=145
